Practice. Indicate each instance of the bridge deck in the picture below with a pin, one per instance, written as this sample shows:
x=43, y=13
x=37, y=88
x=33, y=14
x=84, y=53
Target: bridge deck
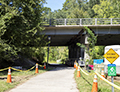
x=62, y=31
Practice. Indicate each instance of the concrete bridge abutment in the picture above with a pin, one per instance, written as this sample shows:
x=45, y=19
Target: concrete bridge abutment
x=77, y=52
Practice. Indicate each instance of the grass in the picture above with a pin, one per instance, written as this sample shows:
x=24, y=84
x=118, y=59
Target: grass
x=84, y=83
x=17, y=78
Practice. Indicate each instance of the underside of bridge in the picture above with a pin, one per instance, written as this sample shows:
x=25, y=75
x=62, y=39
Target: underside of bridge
x=108, y=39
x=69, y=36
x=75, y=52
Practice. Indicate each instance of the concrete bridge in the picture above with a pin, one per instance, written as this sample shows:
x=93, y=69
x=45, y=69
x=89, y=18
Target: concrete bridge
x=67, y=32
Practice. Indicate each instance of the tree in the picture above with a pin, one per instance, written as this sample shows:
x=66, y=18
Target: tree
x=59, y=14
x=107, y=9
x=20, y=26
x=56, y=53
x=90, y=5
x=99, y=50
x=69, y=4
x=103, y=10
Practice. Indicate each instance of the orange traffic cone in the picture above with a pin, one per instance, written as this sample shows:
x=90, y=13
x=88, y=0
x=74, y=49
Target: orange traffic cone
x=102, y=74
x=44, y=65
x=75, y=64
x=95, y=85
x=9, y=75
x=36, y=71
x=78, y=71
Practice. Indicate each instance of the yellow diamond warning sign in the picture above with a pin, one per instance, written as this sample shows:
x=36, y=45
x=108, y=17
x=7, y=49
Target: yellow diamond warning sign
x=111, y=55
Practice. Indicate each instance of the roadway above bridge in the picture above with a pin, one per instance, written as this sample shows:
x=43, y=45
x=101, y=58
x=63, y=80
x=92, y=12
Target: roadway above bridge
x=80, y=26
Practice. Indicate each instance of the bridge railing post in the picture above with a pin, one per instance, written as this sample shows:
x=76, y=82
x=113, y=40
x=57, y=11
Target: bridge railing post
x=50, y=22
x=65, y=22
x=111, y=21
x=80, y=22
x=95, y=21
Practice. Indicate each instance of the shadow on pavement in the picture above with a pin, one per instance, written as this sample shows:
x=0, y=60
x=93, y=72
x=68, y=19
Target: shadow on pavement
x=59, y=67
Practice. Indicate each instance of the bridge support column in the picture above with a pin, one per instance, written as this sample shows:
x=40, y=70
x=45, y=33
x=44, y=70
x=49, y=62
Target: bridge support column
x=84, y=41
x=75, y=52
x=86, y=56
x=82, y=53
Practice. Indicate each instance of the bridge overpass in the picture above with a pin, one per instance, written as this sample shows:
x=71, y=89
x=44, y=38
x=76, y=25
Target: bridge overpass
x=67, y=32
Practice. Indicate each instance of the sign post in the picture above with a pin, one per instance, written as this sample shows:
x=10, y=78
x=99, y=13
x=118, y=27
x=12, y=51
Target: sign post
x=112, y=72
x=111, y=56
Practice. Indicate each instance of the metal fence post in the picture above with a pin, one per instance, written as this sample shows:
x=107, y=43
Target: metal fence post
x=65, y=22
x=80, y=22
x=50, y=22
x=111, y=21
x=96, y=21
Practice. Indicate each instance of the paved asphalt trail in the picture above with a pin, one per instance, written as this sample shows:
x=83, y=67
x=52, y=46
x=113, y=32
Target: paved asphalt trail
x=60, y=79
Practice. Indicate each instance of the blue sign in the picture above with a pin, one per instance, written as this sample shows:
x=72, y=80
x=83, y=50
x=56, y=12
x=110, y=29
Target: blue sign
x=111, y=65
x=98, y=61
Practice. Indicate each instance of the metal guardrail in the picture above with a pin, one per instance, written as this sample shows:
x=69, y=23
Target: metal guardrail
x=82, y=21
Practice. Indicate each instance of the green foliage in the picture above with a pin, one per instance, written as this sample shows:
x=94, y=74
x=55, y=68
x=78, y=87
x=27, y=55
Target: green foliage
x=104, y=10
x=92, y=39
x=99, y=52
x=95, y=52
x=107, y=9
x=87, y=9
x=20, y=28
x=92, y=3
x=56, y=53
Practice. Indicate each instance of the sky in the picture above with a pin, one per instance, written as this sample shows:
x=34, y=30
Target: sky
x=54, y=4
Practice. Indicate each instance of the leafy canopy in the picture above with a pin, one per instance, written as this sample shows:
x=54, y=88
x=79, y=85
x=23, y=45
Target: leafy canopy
x=20, y=26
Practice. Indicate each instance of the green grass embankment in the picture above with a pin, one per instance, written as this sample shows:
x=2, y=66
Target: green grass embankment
x=17, y=78
x=84, y=83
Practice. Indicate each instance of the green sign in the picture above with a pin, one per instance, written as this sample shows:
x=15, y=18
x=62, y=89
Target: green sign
x=111, y=70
